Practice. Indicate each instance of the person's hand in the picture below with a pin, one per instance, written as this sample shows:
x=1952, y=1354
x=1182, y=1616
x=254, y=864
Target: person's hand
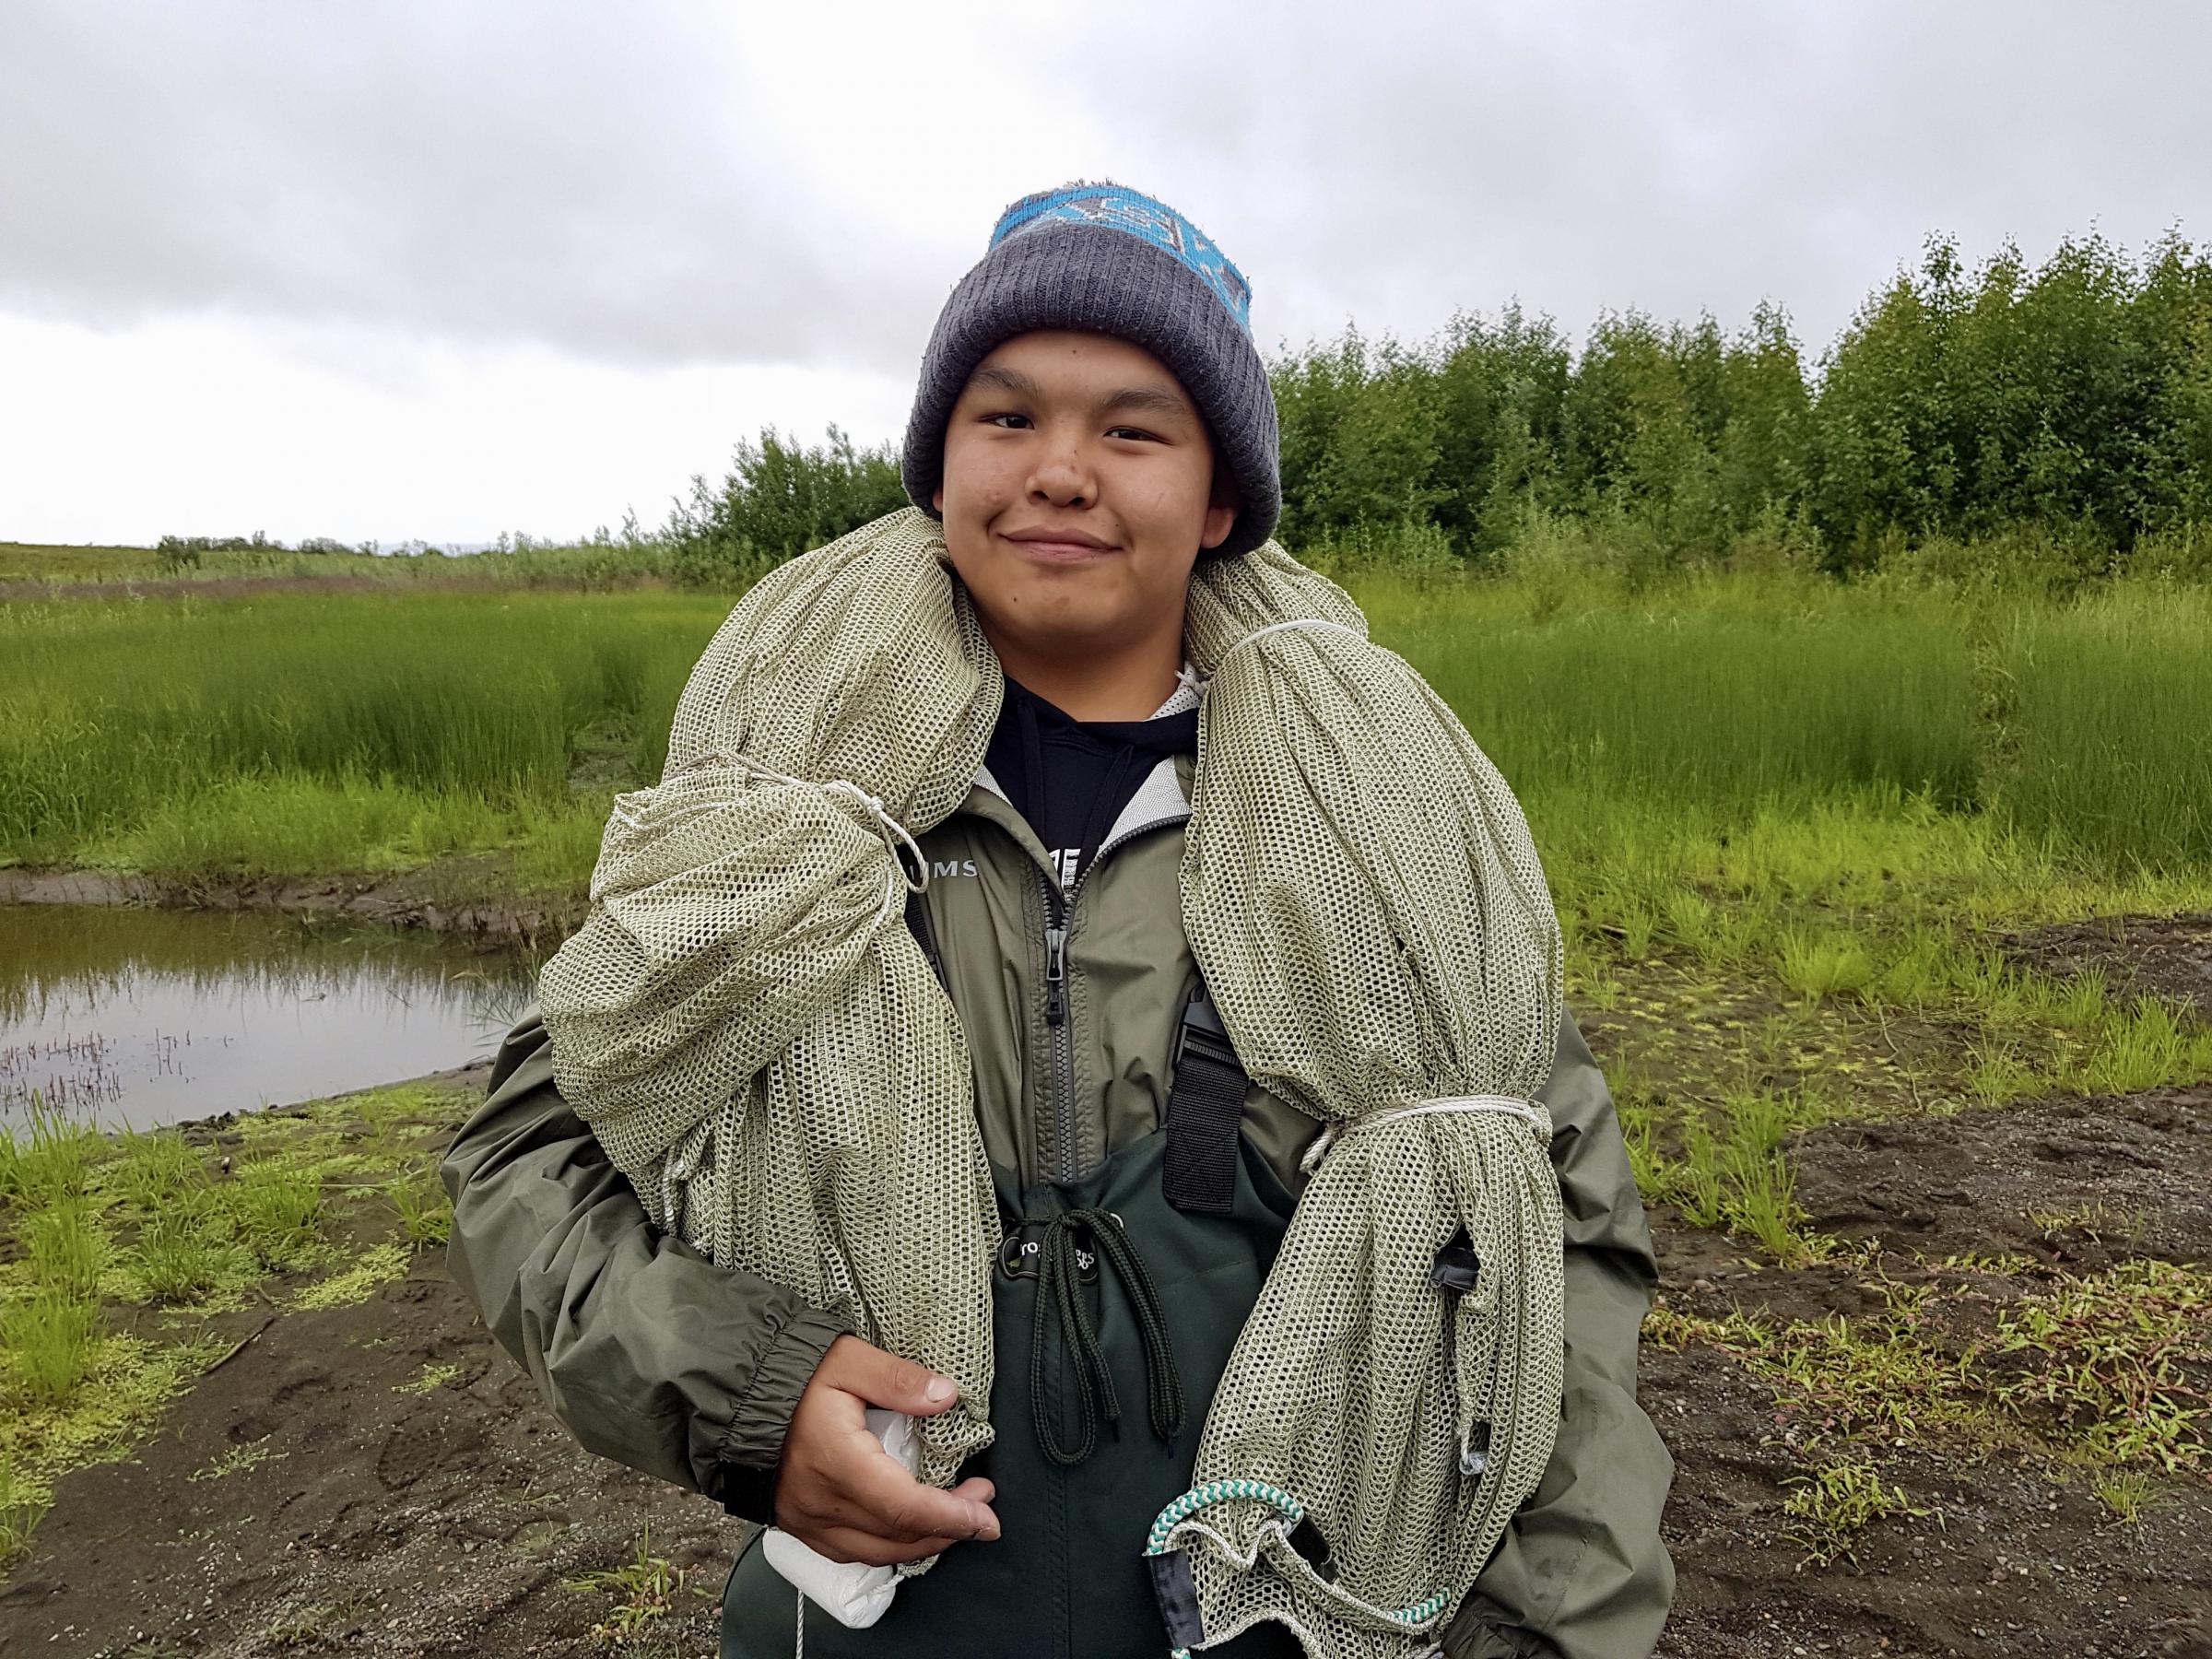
x=840, y=1493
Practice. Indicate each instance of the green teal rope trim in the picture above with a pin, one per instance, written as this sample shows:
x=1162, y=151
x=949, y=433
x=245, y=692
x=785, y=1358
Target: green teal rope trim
x=1261, y=1491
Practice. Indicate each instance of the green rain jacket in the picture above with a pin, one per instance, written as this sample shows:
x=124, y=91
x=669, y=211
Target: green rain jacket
x=653, y=1356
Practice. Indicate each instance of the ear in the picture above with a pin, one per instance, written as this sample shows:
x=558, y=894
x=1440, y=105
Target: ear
x=1221, y=508
x=936, y=498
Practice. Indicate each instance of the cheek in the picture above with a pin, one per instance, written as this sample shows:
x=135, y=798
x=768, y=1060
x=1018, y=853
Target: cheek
x=977, y=477
x=1170, y=499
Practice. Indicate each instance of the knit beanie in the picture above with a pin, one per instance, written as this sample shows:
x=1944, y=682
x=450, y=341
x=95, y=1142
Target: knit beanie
x=1105, y=258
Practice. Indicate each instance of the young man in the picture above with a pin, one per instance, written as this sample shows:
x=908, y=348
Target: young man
x=1093, y=420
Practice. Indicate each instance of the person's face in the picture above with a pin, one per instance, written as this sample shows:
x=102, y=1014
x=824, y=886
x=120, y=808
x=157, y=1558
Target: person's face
x=1079, y=486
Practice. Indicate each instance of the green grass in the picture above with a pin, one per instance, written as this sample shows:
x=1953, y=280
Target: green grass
x=2127, y=1493
x=23, y=1504
x=237, y=1459
x=1825, y=800
x=307, y=731
x=49, y=1160
x=47, y=1341
x=64, y=1248
x=276, y=1207
x=179, y=1259
x=2114, y=1363
x=644, y=1589
x=1836, y=1501
x=303, y=732
x=2113, y=724
x=418, y=1198
x=573, y=566
x=1724, y=693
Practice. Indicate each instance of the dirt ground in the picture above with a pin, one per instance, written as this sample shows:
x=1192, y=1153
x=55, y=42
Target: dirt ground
x=2025, y=1559
x=2167, y=955
x=371, y=1503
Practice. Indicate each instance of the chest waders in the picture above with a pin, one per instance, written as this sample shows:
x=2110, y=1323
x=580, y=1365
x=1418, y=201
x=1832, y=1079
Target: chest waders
x=1091, y=1353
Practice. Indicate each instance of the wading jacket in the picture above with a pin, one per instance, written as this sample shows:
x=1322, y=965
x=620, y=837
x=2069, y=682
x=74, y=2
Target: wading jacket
x=653, y=1356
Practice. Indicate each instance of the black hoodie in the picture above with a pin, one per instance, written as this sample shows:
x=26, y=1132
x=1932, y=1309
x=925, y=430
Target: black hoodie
x=1071, y=778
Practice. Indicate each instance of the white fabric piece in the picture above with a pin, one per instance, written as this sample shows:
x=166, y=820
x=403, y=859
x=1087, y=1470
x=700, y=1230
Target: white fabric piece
x=852, y=1592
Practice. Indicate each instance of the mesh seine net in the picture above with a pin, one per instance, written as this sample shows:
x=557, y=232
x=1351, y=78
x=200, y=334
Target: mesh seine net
x=750, y=1030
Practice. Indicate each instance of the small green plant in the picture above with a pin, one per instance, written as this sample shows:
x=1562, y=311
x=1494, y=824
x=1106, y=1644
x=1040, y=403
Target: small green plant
x=2117, y=1360
x=50, y=1342
x=250, y=1456
x=2096, y=1219
x=178, y=1260
x=275, y=1208
x=320, y=1624
x=66, y=1250
x=23, y=1504
x=2147, y=1046
x=1994, y=1074
x=1834, y=1503
x=1735, y=1177
x=48, y=1161
x=426, y=1216
x=429, y=1378
x=648, y=1587
x=2126, y=1492
x=1820, y=966
x=155, y=1171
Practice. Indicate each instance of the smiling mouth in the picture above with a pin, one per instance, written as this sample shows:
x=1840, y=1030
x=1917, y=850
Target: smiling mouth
x=1047, y=550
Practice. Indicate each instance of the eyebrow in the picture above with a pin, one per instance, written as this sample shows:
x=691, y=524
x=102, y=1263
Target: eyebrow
x=1157, y=400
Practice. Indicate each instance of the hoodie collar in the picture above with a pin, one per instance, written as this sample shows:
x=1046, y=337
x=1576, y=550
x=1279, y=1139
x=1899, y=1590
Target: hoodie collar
x=1163, y=796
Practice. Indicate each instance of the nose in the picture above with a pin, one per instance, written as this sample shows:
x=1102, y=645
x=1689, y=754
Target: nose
x=1064, y=477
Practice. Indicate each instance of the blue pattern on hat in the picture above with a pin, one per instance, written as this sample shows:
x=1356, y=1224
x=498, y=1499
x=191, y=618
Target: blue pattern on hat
x=1143, y=216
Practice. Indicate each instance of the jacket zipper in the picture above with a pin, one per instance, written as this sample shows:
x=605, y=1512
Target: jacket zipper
x=1056, y=1027
x=917, y=921
x=1059, y=918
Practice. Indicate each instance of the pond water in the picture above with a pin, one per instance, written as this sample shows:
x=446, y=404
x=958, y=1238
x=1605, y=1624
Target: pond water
x=134, y=1017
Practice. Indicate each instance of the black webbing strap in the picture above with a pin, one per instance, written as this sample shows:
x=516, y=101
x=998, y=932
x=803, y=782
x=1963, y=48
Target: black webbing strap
x=1205, y=1104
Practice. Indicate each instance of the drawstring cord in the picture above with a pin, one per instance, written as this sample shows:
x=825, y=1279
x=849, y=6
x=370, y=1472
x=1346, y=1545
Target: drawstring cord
x=1262, y=632
x=1058, y=1288
x=1337, y=1128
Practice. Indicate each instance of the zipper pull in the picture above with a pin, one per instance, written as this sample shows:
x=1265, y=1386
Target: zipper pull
x=1056, y=974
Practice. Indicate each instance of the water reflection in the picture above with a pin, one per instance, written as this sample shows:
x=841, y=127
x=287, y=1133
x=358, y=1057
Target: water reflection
x=144, y=1017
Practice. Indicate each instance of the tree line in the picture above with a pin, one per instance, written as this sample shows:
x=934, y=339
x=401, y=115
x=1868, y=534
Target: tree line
x=2071, y=399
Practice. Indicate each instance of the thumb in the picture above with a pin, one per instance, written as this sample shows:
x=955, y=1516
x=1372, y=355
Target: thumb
x=898, y=1384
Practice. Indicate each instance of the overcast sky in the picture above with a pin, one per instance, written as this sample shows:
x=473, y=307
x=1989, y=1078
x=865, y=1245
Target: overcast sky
x=444, y=269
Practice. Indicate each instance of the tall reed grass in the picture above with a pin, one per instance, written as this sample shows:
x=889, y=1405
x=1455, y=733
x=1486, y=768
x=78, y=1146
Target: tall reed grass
x=302, y=732
x=2111, y=708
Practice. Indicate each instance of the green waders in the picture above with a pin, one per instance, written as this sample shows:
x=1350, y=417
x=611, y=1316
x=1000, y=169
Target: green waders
x=1066, y=1577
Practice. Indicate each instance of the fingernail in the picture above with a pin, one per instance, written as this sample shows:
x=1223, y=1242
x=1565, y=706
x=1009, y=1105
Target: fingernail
x=940, y=1389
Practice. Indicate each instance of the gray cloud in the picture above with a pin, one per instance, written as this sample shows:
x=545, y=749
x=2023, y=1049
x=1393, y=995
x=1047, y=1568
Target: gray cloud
x=627, y=184
x=1672, y=157
x=481, y=173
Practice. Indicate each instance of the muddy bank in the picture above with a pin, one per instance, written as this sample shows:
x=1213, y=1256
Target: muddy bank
x=2020, y=1565
x=449, y=897
x=2068, y=1181
x=374, y=1479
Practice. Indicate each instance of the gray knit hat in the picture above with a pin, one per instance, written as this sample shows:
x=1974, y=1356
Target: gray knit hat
x=1099, y=256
